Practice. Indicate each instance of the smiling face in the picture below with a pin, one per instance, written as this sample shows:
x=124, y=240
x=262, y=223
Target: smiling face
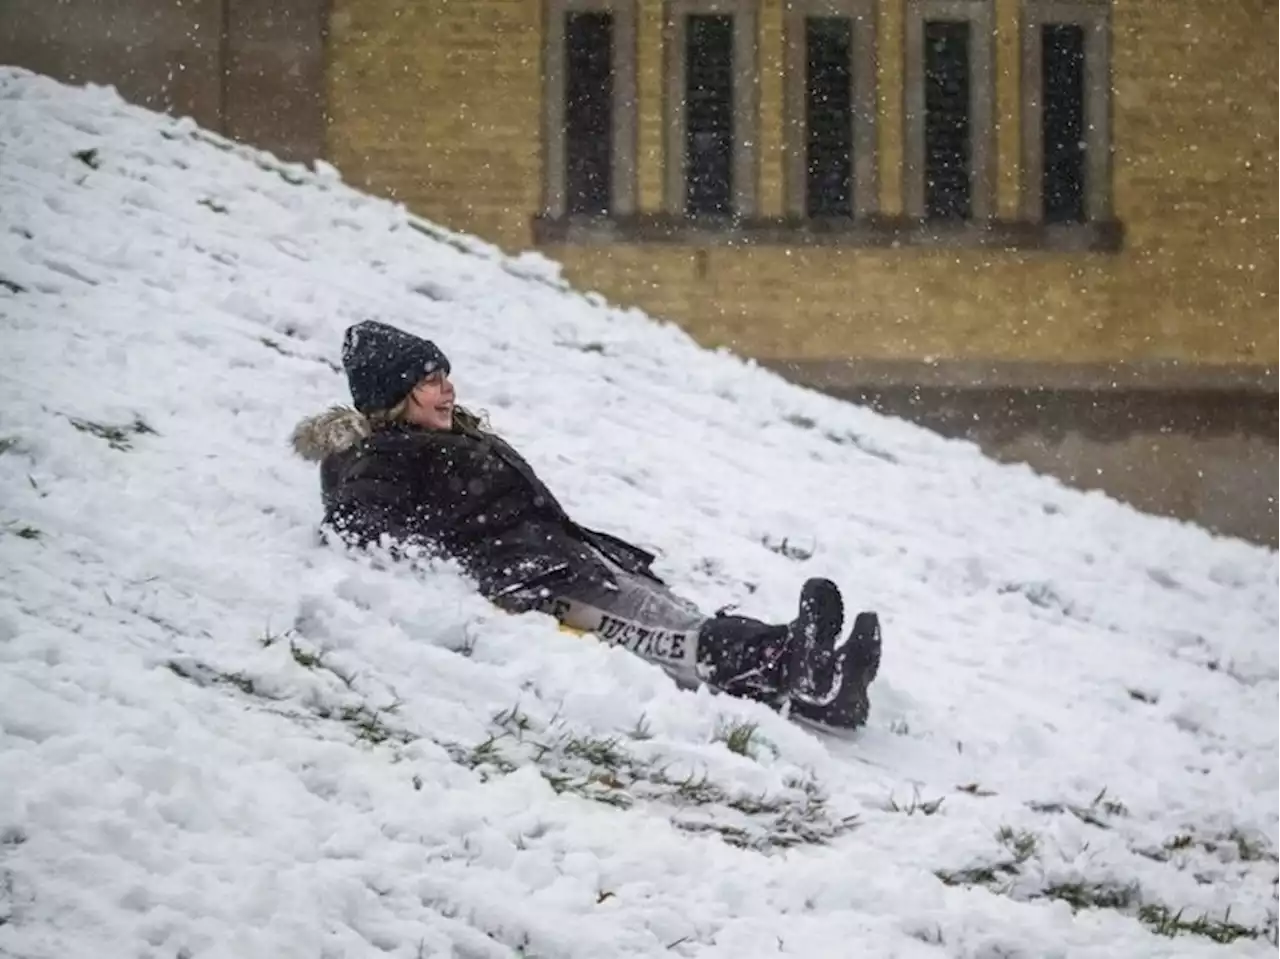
x=431, y=403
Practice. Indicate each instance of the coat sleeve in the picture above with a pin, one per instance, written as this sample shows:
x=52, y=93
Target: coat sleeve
x=630, y=557
x=372, y=513
x=377, y=506
x=627, y=555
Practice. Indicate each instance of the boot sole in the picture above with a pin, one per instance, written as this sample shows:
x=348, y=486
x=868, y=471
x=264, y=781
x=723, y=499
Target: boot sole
x=847, y=704
x=816, y=627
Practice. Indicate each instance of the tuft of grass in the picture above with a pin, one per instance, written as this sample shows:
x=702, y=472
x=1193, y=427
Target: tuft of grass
x=602, y=769
x=1023, y=844
x=309, y=660
x=1094, y=814
x=1181, y=841
x=1250, y=848
x=738, y=737
x=200, y=675
x=985, y=875
x=926, y=807
x=787, y=549
x=641, y=731
x=487, y=754
x=1125, y=899
x=269, y=639
x=1143, y=697
x=1087, y=895
x=598, y=751
x=931, y=937
x=1112, y=807
x=756, y=805
x=370, y=727
x=899, y=727
x=88, y=157
x=693, y=789
x=513, y=721
x=11, y=286
x=8, y=443
x=212, y=204
x=1163, y=922
x=975, y=789
x=304, y=658
x=117, y=437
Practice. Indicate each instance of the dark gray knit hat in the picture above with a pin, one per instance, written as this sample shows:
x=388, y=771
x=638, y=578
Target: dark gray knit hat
x=383, y=364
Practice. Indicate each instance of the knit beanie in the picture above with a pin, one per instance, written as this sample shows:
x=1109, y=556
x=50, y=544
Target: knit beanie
x=383, y=364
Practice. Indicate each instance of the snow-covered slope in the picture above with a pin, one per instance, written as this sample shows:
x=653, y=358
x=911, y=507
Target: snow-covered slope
x=219, y=739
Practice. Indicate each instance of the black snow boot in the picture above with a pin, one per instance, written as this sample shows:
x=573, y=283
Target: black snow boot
x=852, y=670
x=812, y=638
x=745, y=657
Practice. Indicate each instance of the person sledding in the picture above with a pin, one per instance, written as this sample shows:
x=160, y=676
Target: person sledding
x=410, y=470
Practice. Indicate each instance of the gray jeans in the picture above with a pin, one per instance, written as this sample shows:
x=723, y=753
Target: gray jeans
x=642, y=616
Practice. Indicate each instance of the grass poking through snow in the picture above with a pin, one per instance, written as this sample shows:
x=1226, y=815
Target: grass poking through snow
x=1019, y=847
x=118, y=437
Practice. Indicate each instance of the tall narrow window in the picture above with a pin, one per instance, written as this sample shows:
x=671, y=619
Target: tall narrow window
x=710, y=108
x=1066, y=111
x=947, y=171
x=708, y=115
x=588, y=112
x=949, y=123
x=589, y=108
x=829, y=61
x=828, y=43
x=1062, y=122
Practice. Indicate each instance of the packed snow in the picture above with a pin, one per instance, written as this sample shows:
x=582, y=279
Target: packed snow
x=220, y=738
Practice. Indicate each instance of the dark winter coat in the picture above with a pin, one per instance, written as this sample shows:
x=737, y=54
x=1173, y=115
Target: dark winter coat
x=464, y=494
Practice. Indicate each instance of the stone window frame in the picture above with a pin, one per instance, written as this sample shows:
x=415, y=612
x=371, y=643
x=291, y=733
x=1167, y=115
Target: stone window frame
x=982, y=104
x=746, y=102
x=865, y=79
x=1094, y=16
x=625, y=104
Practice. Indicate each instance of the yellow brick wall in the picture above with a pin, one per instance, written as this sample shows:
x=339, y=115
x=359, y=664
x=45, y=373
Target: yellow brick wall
x=437, y=103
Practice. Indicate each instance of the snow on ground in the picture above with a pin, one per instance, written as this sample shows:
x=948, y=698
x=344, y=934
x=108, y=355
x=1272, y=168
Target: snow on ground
x=220, y=739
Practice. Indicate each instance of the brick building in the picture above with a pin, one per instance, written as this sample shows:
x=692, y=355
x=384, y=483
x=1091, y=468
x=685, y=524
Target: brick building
x=1046, y=225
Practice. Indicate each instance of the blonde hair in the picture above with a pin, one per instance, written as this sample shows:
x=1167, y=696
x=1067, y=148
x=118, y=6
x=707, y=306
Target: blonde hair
x=463, y=419
x=380, y=418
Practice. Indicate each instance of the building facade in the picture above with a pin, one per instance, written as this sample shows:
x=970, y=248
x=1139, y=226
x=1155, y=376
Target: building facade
x=250, y=69
x=1045, y=225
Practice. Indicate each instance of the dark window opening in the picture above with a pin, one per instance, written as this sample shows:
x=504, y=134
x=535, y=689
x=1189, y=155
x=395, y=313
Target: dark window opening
x=708, y=115
x=948, y=183
x=1062, y=122
x=829, y=116
x=588, y=112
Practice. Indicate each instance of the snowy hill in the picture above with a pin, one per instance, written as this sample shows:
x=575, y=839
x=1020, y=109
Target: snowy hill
x=220, y=739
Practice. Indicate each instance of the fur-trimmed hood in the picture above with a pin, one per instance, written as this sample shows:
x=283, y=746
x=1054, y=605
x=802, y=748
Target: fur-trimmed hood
x=336, y=429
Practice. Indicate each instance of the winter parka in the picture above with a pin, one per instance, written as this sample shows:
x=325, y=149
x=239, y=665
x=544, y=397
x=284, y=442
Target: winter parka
x=464, y=494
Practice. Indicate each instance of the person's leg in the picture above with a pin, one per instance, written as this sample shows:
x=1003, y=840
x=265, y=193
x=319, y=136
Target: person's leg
x=640, y=615
x=796, y=662
x=745, y=657
x=737, y=654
